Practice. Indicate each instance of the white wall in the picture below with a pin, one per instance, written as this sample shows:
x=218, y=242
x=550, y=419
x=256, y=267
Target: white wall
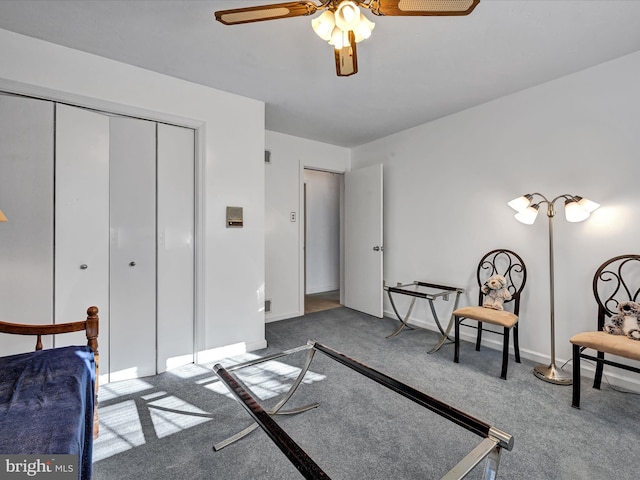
x=447, y=184
x=284, y=188
x=323, y=231
x=230, y=132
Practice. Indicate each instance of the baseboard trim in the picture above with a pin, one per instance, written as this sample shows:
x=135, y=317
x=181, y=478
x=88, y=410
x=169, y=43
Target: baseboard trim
x=586, y=370
x=282, y=316
x=215, y=354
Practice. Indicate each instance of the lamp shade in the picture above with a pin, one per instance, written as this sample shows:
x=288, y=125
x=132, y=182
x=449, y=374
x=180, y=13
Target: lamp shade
x=364, y=29
x=587, y=204
x=2, y=217
x=347, y=16
x=339, y=39
x=520, y=203
x=323, y=25
x=573, y=212
x=528, y=215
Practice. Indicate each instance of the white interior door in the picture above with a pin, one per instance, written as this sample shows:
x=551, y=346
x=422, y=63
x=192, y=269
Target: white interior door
x=176, y=215
x=82, y=221
x=26, y=198
x=132, y=157
x=363, y=227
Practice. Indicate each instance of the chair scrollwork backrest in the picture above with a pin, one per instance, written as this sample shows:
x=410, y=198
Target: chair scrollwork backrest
x=508, y=264
x=616, y=280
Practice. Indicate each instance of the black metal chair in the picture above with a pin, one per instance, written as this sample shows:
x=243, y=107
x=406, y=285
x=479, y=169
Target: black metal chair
x=511, y=266
x=616, y=280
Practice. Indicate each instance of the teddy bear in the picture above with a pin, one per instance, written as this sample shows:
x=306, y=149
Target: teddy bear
x=626, y=321
x=496, y=292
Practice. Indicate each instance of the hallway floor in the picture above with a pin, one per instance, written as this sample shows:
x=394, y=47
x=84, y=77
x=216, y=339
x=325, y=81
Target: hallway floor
x=321, y=301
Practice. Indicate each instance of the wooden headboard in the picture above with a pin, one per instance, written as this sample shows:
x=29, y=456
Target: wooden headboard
x=90, y=326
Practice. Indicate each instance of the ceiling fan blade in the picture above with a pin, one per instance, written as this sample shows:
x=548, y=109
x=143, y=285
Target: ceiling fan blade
x=274, y=11
x=422, y=7
x=347, y=58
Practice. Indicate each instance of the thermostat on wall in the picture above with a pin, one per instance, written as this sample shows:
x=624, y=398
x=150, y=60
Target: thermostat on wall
x=234, y=217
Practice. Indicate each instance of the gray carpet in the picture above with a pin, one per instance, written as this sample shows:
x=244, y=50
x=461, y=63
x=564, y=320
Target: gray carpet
x=163, y=427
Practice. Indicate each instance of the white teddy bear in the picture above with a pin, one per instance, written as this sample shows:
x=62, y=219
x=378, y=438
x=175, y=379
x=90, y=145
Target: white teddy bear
x=626, y=321
x=496, y=292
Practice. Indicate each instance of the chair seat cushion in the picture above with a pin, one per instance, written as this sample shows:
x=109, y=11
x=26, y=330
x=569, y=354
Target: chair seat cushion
x=488, y=315
x=619, y=345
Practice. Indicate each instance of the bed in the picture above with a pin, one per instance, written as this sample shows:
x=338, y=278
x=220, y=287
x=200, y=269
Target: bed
x=488, y=450
x=48, y=397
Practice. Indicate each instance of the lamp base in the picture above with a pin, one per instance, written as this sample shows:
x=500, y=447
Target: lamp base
x=552, y=374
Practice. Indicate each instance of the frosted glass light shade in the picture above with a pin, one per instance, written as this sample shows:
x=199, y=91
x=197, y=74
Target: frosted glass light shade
x=520, y=203
x=528, y=215
x=365, y=27
x=339, y=39
x=573, y=212
x=587, y=204
x=347, y=16
x=335, y=27
x=323, y=25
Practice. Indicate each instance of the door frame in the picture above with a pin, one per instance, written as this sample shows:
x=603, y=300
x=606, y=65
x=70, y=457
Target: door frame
x=302, y=221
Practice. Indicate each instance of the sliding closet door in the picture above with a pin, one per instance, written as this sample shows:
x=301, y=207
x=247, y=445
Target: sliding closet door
x=133, y=248
x=82, y=221
x=26, y=198
x=175, y=246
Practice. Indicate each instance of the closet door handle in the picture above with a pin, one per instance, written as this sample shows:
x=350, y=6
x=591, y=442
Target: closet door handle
x=84, y=266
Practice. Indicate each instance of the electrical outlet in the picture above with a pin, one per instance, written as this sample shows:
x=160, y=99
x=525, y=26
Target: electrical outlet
x=292, y=216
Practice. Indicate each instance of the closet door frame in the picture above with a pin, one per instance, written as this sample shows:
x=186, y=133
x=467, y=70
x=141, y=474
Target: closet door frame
x=43, y=93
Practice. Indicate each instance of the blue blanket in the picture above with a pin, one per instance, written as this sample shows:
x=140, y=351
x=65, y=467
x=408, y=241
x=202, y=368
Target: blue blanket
x=47, y=402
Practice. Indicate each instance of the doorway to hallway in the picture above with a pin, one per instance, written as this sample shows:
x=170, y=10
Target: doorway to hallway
x=322, y=240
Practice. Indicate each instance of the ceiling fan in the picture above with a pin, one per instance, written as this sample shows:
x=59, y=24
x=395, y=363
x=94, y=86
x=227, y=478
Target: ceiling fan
x=342, y=23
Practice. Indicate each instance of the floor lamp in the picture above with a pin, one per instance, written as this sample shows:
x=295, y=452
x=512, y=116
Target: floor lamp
x=576, y=209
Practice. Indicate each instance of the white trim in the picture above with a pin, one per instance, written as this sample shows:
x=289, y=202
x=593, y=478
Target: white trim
x=43, y=93
x=586, y=370
x=282, y=316
x=199, y=304
x=219, y=353
x=302, y=219
x=301, y=253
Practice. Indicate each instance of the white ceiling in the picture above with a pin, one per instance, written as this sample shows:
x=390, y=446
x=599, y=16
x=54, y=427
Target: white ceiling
x=411, y=71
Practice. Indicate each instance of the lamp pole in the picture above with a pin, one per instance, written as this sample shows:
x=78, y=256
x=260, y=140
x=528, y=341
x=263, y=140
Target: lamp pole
x=551, y=373
x=577, y=209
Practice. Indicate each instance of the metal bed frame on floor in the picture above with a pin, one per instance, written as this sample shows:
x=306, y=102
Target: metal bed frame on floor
x=494, y=440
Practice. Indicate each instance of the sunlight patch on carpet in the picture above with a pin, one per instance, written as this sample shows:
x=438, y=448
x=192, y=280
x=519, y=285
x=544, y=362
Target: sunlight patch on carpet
x=265, y=380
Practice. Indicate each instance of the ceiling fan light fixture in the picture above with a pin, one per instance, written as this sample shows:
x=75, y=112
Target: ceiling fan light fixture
x=342, y=23
x=339, y=38
x=347, y=16
x=324, y=25
x=365, y=27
